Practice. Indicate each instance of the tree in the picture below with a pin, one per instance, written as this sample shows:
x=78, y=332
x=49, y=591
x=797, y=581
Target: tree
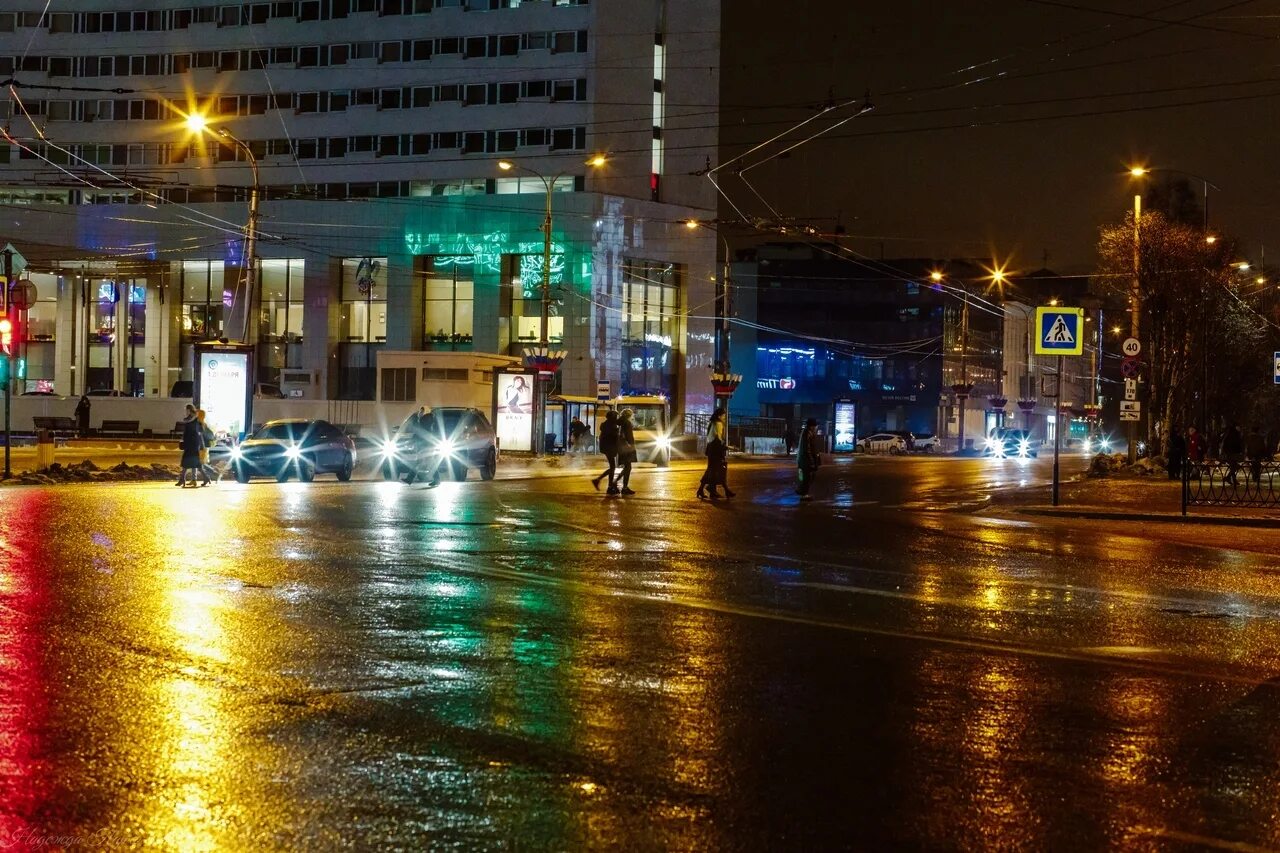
x=1202, y=342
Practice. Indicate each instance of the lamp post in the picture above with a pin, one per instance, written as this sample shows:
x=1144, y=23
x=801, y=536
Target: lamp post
x=198, y=124
x=1136, y=297
x=723, y=380
x=547, y=362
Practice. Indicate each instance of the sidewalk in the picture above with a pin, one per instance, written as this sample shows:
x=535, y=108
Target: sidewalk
x=1154, y=499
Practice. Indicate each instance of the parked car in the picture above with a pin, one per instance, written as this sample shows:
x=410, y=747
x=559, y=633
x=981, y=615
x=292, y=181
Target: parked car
x=884, y=442
x=925, y=443
x=284, y=448
x=461, y=438
x=1015, y=443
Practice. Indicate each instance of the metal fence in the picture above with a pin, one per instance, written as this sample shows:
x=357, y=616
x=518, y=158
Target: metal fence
x=1248, y=484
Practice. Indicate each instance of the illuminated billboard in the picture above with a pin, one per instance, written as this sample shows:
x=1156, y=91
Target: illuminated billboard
x=223, y=388
x=515, y=410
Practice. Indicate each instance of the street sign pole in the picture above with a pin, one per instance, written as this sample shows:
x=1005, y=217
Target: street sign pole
x=1057, y=431
x=8, y=373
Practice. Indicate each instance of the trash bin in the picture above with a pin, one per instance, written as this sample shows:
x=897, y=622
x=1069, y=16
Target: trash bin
x=549, y=443
x=44, y=449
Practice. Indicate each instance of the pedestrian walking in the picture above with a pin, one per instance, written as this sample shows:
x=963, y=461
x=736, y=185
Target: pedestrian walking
x=808, y=458
x=789, y=437
x=608, y=444
x=1177, y=452
x=1232, y=452
x=1255, y=450
x=717, y=472
x=210, y=438
x=626, y=450
x=578, y=433
x=191, y=444
x=82, y=415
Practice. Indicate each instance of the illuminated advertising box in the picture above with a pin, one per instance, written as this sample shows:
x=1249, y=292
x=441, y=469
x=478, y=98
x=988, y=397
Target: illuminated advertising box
x=846, y=427
x=514, y=407
x=224, y=386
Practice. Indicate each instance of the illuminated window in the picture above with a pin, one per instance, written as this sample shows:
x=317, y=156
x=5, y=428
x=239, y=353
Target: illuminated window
x=521, y=299
x=448, y=300
x=280, y=317
x=651, y=326
x=364, y=300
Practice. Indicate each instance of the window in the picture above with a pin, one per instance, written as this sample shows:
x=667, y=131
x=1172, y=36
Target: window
x=521, y=297
x=475, y=94
x=650, y=326
x=448, y=298
x=281, y=286
x=390, y=52
x=364, y=300
x=399, y=385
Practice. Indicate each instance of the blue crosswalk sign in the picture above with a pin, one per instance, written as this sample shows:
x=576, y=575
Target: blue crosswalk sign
x=1059, y=331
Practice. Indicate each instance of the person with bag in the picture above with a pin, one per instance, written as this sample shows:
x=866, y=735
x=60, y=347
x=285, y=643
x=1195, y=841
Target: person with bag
x=210, y=438
x=808, y=458
x=626, y=450
x=191, y=444
x=609, y=434
x=717, y=458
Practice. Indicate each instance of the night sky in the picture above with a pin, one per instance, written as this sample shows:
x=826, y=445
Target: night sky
x=955, y=161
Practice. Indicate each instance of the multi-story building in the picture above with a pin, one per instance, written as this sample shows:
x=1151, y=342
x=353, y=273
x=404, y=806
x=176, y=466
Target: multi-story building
x=821, y=329
x=373, y=130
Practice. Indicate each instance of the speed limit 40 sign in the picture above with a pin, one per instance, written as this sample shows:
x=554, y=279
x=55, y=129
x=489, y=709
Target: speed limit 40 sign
x=1131, y=347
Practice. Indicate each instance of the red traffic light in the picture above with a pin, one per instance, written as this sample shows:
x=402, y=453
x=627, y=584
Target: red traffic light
x=6, y=335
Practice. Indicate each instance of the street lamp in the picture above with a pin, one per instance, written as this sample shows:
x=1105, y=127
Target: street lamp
x=722, y=375
x=543, y=344
x=198, y=124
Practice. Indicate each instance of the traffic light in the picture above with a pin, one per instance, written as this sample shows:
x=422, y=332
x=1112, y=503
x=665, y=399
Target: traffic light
x=8, y=335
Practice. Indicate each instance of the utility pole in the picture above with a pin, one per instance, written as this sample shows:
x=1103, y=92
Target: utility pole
x=1057, y=430
x=962, y=393
x=8, y=358
x=1135, y=307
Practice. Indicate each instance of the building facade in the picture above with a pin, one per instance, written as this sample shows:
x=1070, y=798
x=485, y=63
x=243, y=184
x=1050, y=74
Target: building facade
x=373, y=130
x=816, y=329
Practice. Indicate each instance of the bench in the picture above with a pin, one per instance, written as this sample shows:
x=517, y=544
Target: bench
x=57, y=426
x=176, y=432
x=118, y=428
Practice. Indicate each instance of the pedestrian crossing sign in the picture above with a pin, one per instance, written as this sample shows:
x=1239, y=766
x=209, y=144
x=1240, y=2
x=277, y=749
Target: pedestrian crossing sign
x=1059, y=331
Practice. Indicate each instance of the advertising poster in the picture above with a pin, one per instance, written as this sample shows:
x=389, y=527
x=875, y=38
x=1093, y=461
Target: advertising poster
x=846, y=429
x=515, y=411
x=224, y=391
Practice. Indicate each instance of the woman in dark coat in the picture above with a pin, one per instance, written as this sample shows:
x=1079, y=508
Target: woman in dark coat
x=717, y=458
x=192, y=444
x=808, y=458
x=626, y=450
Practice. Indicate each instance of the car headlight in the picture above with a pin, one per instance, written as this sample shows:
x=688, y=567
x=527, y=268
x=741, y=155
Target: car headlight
x=1024, y=448
x=991, y=444
x=293, y=451
x=663, y=442
x=389, y=448
x=445, y=446
x=236, y=453
x=1105, y=444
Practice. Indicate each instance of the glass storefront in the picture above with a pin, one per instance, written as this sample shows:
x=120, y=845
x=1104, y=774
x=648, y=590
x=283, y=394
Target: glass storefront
x=280, y=317
x=448, y=292
x=363, y=325
x=522, y=300
x=650, y=327
x=205, y=303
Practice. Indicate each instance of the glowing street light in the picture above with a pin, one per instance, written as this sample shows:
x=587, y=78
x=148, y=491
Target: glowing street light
x=1211, y=239
x=935, y=276
x=199, y=125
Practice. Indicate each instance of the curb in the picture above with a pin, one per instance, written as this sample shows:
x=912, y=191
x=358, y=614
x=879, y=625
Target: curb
x=1103, y=515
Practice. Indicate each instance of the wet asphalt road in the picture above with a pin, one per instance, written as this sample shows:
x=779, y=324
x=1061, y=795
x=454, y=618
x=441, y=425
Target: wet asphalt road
x=531, y=665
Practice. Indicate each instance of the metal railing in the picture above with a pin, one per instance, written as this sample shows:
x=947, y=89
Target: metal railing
x=1249, y=483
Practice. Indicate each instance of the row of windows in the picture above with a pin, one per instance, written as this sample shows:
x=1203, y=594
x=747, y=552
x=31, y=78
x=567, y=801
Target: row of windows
x=24, y=196
x=478, y=94
x=243, y=14
x=321, y=148
x=305, y=56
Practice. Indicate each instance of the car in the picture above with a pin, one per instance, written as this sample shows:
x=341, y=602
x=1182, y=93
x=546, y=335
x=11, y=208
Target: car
x=925, y=443
x=283, y=448
x=884, y=442
x=1010, y=443
x=456, y=437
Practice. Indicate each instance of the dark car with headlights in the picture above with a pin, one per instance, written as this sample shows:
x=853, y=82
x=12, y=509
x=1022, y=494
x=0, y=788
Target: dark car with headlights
x=446, y=439
x=1010, y=443
x=287, y=448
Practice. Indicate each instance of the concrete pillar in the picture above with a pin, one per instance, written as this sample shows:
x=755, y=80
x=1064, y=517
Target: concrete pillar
x=490, y=330
x=404, y=304
x=320, y=321
x=67, y=330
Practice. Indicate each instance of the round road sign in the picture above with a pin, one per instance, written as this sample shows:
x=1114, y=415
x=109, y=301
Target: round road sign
x=1131, y=347
x=1129, y=368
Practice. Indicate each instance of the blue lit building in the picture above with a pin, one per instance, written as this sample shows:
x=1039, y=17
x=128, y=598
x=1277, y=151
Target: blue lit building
x=815, y=329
